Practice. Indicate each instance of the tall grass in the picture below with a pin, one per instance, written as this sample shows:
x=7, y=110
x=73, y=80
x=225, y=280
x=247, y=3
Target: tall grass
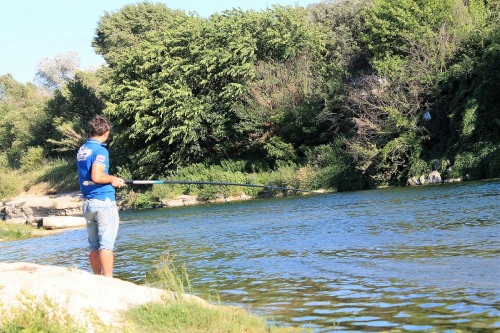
x=168, y=276
x=43, y=315
x=47, y=175
x=10, y=185
x=9, y=179
x=56, y=175
x=15, y=231
x=183, y=314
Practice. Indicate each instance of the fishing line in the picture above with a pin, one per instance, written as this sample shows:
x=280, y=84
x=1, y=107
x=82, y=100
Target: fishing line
x=188, y=182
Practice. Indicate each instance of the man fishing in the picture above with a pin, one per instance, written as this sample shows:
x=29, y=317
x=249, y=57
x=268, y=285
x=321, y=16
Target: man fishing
x=99, y=203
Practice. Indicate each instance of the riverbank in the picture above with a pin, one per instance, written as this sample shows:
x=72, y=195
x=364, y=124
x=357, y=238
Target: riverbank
x=52, y=212
x=39, y=298
x=49, y=213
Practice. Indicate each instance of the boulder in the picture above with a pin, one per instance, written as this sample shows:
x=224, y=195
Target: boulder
x=221, y=198
x=18, y=211
x=413, y=181
x=31, y=209
x=434, y=177
x=183, y=200
x=81, y=293
x=26, y=205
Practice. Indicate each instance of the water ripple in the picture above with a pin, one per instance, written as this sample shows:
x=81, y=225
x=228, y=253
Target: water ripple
x=404, y=259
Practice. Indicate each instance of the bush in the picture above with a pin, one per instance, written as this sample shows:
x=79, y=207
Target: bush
x=159, y=192
x=284, y=176
x=490, y=164
x=33, y=159
x=10, y=185
x=143, y=200
x=227, y=172
x=334, y=169
x=483, y=161
x=418, y=168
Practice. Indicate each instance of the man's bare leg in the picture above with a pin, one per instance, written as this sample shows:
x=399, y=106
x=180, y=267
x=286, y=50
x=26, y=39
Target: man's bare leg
x=107, y=261
x=95, y=262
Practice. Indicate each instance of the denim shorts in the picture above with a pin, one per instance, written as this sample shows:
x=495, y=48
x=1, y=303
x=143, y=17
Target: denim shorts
x=102, y=223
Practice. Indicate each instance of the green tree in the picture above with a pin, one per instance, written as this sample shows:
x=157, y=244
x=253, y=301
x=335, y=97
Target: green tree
x=71, y=108
x=23, y=121
x=172, y=93
x=344, y=55
x=144, y=81
x=119, y=31
x=53, y=73
x=278, y=112
x=412, y=45
x=393, y=27
x=279, y=115
x=467, y=107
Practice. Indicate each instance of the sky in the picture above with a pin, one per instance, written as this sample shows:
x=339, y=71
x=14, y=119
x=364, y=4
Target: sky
x=31, y=30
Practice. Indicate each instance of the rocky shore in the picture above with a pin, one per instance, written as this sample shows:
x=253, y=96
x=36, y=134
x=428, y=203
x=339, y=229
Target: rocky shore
x=63, y=211
x=82, y=294
x=60, y=211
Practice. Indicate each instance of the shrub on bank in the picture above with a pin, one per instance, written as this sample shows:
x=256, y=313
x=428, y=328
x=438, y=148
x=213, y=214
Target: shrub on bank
x=288, y=176
x=479, y=163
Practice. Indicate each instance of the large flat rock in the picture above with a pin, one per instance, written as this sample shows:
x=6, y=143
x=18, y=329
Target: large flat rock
x=74, y=289
x=63, y=222
x=30, y=207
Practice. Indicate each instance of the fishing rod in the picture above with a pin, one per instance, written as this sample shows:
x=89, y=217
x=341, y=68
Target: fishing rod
x=188, y=182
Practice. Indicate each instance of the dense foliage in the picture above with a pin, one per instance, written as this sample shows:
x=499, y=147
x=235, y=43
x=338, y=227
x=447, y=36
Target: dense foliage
x=358, y=93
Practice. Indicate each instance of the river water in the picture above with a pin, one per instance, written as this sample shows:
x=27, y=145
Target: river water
x=407, y=259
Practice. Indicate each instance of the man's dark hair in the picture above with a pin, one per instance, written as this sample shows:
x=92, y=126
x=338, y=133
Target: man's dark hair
x=99, y=125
